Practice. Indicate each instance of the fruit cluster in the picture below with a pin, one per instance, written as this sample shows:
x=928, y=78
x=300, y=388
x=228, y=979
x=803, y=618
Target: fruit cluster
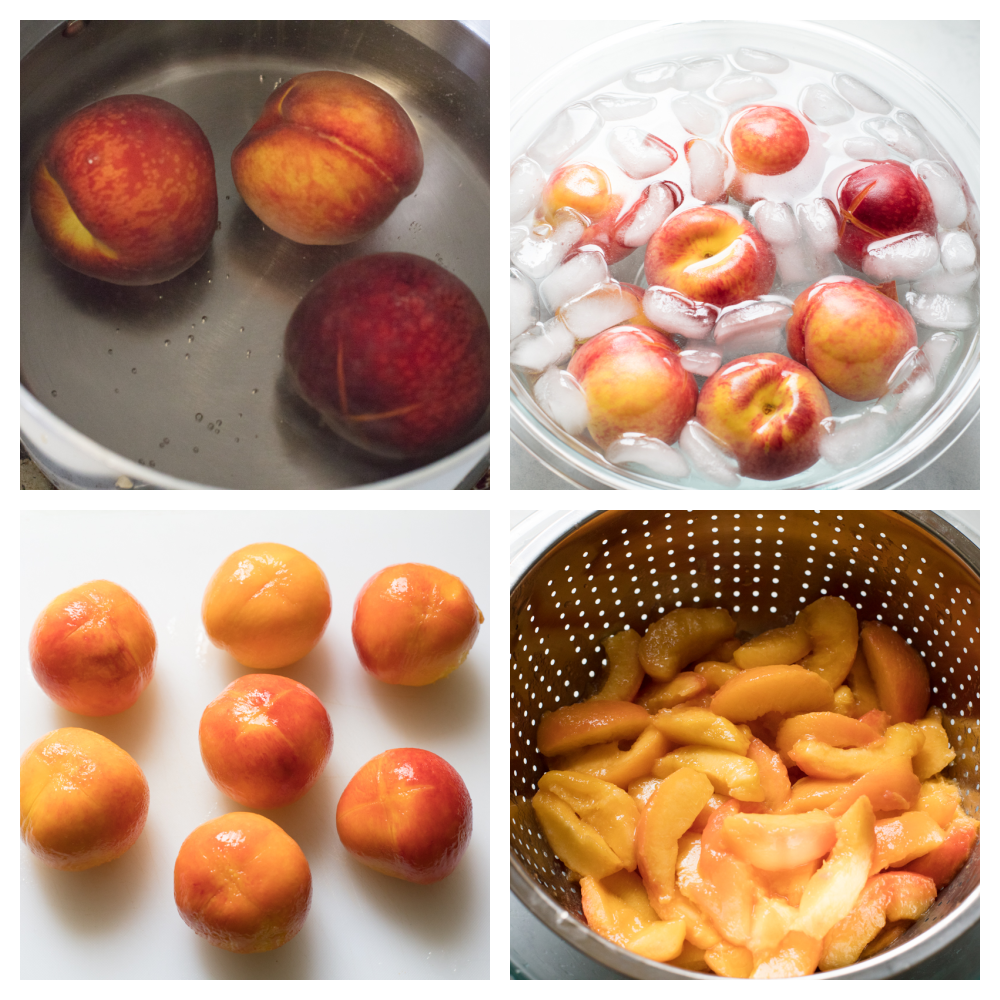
x=759, y=808
x=239, y=880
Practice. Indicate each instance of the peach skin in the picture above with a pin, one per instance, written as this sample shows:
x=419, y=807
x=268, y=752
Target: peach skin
x=242, y=883
x=414, y=624
x=267, y=605
x=84, y=800
x=125, y=191
x=265, y=740
x=93, y=648
x=328, y=160
x=408, y=814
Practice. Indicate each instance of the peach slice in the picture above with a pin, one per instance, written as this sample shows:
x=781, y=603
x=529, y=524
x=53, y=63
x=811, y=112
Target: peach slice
x=859, y=679
x=797, y=955
x=790, y=690
x=940, y=799
x=730, y=773
x=616, y=907
x=668, y=814
x=877, y=719
x=813, y=793
x=575, y=843
x=625, y=674
x=700, y=931
x=789, y=884
x=772, y=920
x=716, y=674
x=661, y=941
x=691, y=958
x=829, y=727
x=902, y=839
x=723, y=652
x=700, y=727
x=620, y=767
x=885, y=937
x=668, y=694
x=773, y=774
x=681, y=637
x=843, y=701
x=574, y=726
x=899, y=673
x=607, y=808
x=936, y=753
x=832, y=626
x=642, y=789
x=775, y=843
x=730, y=960
x=889, y=787
x=820, y=760
x=942, y=864
x=778, y=645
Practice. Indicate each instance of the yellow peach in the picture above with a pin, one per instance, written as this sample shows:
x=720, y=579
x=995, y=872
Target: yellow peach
x=787, y=689
x=574, y=726
x=777, y=645
x=625, y=672
x=681, y=637
x=832, y=627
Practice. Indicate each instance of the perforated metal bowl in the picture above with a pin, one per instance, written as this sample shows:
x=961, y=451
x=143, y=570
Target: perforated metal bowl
x=588, y=575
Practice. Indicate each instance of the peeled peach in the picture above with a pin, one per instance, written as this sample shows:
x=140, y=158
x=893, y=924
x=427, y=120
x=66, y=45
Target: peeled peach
x=681, y=637
x=574, y=726
x=408, y=814
x=904, y=838
x=783, y=688
x=92, y=649
x=574, y=841
x=777, y=645
x=125, y=191
x=832, y=626
x=943, y=862
x=625, y=672
x=329, y=158
x=242, y=883
x=265, y=740
x=414, y=624
x=267, y=605
x=616, y=907
x=774, y=843
x=899, y=672
x=84, y=800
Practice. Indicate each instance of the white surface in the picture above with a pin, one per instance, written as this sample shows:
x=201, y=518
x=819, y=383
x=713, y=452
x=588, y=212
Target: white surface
x=118, y=921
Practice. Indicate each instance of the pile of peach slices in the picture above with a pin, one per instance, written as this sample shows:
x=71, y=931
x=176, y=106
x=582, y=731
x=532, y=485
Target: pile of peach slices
x=778, y=806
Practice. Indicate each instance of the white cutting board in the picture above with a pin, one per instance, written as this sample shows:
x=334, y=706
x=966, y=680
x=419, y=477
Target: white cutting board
x=118, y=921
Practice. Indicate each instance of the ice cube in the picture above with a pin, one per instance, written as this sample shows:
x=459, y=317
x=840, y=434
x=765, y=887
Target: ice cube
x=654, y=205
x=619, y=107
x=708, y=456
x=753, y=317
x=818, y=224
x=544, y=249
x=896, y=136
x=523, y=304
x=708, y=169
x=652, y=78
x=797, y=264
x=544, y=345
x=638, y=153
x=937, y=349
x=937, y=279
x=695, y=115
x=526, y=182
x=569, y=132
x=946, y=312
x=598, y=309
x=699, y=73
x=518, y=234
x=856, y=437
x=574, y=277
x=649, y=452
x=703, y=361
x=823, y=107
x=910, y=387
x=950, y=206
x=738, y=87
x=671, y=312
x=762, y=62
x=864, y=147
x=958, y=252
x=902, y=257
x=562, y=398
x=861, y=96
x=776, y=222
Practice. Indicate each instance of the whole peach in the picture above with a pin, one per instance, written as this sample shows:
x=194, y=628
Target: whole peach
x=242, y=883
x=93, y=648
x=267, y=605
x=125, y=191
x=328, y=160
x=406, y=813
x=265, y=740
x=393, y=351
x=84, y=800
x=414, y=624
x=768, y=140
x=577, y=185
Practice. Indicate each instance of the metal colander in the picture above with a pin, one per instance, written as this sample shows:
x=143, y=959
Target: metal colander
x=589, y=575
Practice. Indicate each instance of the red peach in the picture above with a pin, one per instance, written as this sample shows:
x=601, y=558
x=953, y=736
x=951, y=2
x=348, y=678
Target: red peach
x=265, y=740
x=406, y=813
x=125, y=191
x=768, y=140
x=577, y=185
x=329, y=159
x=93, y=648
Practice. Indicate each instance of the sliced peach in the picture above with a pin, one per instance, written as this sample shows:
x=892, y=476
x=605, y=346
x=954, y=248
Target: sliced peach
x=616, y=907
x=715, y=673
x=620, y=767
x=625, y=672
x=820, y=760
x=660, y=694
x=877, y=719
x=700, y=727
x=574, y=726
x=885, y=937
x=661, y=941
x=681, y=637
x=940, y=799
x=575, y=843
x=833, y=729
x=859, y=680
x=723, y=651
x=730, y=773
x=778, y=645
x=789, y=690
x=772, y=920
x=667, y=815
x=843, y=701
x=942, y=864
x=729, y=960
x=936, y=753
x=902, y=839
x=641, y=790
x=899, y=673
x=889, y=787
x=797, y=955
x=813, y=793
x=715, y=802
x=789, y=884
x=832, y=626
x=774, y=843
x=773, y=774
x=727, y=888
x=700, y=931
x=691, y=958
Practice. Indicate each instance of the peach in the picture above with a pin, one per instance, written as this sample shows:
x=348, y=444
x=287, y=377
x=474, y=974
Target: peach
x=829, y=727
x=820, y=760
x=774, y=781
x=84, y=800
x=574, y=841
x=574, y=726
x=621, y=767
x=890, y=786
x=832, y=626
x=797, y=955
x=616, y=907
x=242, y=883
x=943, y=862
x=898, y=671
x=682, y=636
x=777, y=645
x=392, y=350
x=936, y=753
x=624, y=670
x=267, y=605
x=265, y=740
x=408, y=814
x=715, y=674
x=788, y=689
x=768, y=140
x=859, y=679
x=125, y=191
x=776, y=843
x=701, y=727
x=580, y=186
x=328, y=160
x=940, y=799
x=730, y=960
x=668, y=694
x=414, y=624
x=93, y=648
x=904, y=838
x=661, y=941
x=730, y=773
